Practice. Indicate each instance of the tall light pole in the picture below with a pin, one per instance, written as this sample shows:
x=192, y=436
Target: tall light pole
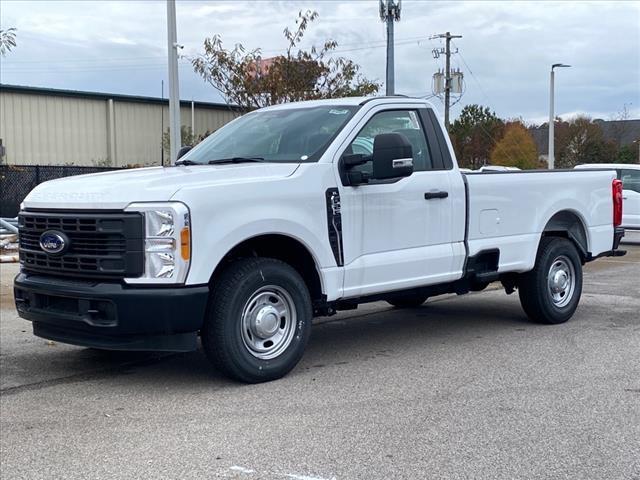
x=174, y=89
x=551, y=159
x=390, y=12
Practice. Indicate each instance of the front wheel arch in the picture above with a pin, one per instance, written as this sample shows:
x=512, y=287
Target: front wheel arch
x=280, y=247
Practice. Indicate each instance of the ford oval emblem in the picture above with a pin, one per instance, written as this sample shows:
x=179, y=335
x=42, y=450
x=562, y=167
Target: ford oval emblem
x=53, y=242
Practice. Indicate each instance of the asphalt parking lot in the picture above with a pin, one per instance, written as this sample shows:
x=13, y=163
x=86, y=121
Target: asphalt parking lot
x=460, y=388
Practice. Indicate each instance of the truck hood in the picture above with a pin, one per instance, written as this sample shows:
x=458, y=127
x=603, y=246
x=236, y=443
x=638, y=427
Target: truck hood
x=117, y=189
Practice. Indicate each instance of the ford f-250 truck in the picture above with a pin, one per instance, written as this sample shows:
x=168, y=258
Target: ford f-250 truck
x=295, y=211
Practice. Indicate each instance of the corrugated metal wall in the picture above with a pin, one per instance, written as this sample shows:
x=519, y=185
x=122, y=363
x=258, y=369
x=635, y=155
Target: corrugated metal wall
x=138, y=132
x=50, y=130
x=38, y=129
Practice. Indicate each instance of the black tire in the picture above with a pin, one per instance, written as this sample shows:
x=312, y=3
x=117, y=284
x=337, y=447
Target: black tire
x=413, y=300
x=537, y=294
x=223, y=339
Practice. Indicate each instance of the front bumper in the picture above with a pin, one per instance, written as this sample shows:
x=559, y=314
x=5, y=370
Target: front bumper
x=110, y=315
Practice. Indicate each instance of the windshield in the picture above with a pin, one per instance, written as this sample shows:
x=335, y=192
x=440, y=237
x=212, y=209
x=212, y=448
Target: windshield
x=286, y=135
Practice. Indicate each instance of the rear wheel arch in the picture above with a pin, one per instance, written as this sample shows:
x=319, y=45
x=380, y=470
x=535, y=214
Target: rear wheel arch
x=570, y=225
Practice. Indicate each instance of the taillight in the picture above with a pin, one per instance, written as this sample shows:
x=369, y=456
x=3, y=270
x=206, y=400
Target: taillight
x=616, y=191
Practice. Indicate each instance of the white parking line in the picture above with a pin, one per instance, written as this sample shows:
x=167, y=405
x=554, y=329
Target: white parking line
x=237, y=468
x=306, y=477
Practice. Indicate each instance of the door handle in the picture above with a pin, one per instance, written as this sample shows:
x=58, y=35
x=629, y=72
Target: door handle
x=432, y=195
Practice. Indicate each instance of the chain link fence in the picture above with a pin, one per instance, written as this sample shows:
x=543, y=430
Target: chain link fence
x=16, y=181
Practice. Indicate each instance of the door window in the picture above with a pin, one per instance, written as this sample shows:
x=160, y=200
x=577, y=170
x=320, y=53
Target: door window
x=405, y=122
x=630, y=180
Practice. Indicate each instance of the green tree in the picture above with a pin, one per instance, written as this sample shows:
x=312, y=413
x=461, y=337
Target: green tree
x=250, y=81
x=516, y=148
x=474, y=134
x=629, y=154
x=186, y=135
x=582, y=141
x=7, y=40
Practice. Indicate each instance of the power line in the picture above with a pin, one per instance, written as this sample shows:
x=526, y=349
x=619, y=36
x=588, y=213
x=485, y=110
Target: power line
x=486, y=99
x=93, y=59
x=89, y=68
x=103, y=64
x=106, y=61
x=102, y=60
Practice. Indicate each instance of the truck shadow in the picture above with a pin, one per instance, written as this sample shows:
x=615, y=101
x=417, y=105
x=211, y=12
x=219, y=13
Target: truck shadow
x=385, y=331
x=447, y=322
x=336, y=341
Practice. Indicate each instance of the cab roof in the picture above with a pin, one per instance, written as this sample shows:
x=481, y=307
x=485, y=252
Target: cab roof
x=346, y=101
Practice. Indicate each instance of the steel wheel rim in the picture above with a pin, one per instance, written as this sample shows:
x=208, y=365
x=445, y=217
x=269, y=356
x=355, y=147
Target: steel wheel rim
x=561, y=281
x=268, y=322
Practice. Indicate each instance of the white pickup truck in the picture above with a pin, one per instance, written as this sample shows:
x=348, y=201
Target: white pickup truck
x=295, y=211
x=629, y=175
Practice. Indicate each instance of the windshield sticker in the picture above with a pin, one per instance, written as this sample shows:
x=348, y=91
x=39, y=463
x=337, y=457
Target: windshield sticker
x=335, y=111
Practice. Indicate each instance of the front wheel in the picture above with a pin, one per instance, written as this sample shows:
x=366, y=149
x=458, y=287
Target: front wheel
x=259, y=320
x=551, y=291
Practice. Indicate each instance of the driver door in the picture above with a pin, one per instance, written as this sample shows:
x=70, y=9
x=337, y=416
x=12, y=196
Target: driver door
x=393, y=236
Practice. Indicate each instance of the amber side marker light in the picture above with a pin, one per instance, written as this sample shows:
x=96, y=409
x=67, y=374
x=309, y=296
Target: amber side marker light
x=185, y=243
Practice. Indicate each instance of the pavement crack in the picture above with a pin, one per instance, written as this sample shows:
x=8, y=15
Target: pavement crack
x=84, y=376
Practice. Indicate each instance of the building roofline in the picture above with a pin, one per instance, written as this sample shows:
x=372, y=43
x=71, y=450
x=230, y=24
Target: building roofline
x=106, y=96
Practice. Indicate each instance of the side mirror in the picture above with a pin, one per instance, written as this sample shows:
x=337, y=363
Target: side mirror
x=392, y=156
x=183, y=151
x=350, y=176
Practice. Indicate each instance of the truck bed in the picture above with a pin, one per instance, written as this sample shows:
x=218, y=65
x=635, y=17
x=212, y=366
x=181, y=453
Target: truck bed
x=510, y=210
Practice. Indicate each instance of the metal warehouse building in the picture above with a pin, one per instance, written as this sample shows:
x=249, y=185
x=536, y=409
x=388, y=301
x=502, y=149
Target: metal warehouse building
x=42, y=126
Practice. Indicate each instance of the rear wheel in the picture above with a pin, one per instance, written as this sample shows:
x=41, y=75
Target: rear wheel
x=413, y=300
x=259, y=320
x=551, y=291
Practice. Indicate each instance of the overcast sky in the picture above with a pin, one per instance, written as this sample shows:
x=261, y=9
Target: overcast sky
x=505, y=53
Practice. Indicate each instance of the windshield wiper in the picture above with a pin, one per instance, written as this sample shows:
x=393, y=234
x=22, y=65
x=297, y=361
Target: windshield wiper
x=236, y=160
x=222, y=160
x=187, y=162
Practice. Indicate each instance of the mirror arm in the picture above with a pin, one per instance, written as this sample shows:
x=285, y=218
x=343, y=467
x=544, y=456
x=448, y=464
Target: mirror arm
x=357, y=178
x=355, y=160
x=350, y=161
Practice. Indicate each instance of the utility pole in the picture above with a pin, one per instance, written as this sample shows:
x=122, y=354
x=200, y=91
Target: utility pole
x=193, y=119
x=162, y=123
x=389, y=13
x=551, y=158
x=174, y=89
x=447, y=73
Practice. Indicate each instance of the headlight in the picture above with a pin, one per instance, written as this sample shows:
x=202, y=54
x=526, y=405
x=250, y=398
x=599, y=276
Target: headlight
x=167, y=244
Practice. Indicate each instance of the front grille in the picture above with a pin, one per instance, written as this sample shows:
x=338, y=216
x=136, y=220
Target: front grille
x=101, y=244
